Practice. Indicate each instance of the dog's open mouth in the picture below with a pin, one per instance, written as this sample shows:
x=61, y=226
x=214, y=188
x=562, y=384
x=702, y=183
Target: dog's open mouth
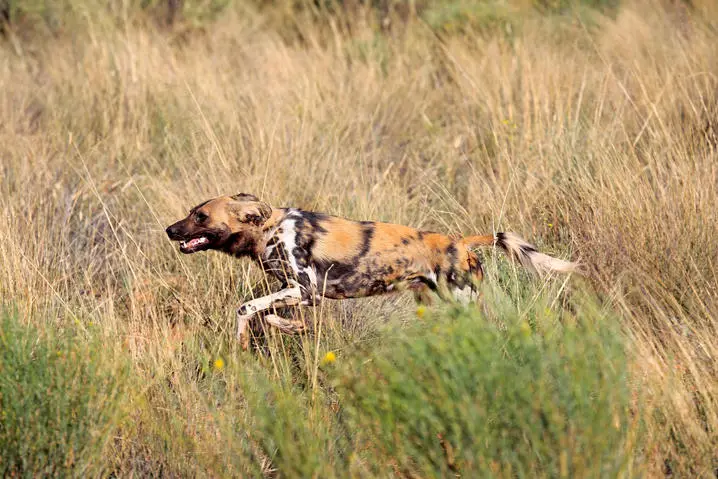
x=193, y=245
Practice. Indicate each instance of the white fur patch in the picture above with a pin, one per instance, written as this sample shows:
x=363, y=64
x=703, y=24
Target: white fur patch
x=464, y=296
x=288, y=237
x=312, y=274
x=529, y=257
x=266, y=302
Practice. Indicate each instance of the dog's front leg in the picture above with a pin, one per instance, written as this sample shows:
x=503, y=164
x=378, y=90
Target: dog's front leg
x=242, y=326
x=286, y=297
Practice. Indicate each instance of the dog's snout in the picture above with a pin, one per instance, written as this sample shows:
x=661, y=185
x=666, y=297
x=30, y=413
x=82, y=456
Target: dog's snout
x=172, y=231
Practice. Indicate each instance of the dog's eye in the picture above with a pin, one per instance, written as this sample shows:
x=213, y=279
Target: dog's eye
x=200, y=217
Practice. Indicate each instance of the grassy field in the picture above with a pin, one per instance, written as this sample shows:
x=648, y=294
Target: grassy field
x=590, y=128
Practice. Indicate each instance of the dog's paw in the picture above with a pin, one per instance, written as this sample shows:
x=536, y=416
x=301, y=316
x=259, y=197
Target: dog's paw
x=285, y=325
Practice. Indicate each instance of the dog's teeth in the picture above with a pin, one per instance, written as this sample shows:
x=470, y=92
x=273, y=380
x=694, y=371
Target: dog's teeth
x=194, y=242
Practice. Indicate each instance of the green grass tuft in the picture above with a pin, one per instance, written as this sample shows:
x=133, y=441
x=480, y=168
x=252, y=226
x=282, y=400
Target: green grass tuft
x=62, y=397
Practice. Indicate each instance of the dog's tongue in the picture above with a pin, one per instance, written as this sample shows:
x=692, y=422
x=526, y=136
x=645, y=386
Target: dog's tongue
x=193, y=243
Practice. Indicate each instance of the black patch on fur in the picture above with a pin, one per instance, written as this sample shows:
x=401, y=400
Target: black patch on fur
x=367, y=235
x=273, y=241
x=424, y=280
x=451, y=255
x=304, y=238
x=239, y=245
x=303, y=279
x=277, y=265
x=314, y=219
x=334, y=271
x=301, y=256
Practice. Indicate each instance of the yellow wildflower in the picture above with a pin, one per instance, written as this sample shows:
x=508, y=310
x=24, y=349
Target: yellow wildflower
x=421, y=311
x=219, y=364
x=329, y=358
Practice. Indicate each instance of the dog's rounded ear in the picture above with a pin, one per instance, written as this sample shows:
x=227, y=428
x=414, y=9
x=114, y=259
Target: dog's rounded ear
x=264, y=211
x=244, y=197
x=249, y=209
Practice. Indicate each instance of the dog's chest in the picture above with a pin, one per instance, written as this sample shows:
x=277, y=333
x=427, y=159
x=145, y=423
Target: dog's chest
x=287, y=253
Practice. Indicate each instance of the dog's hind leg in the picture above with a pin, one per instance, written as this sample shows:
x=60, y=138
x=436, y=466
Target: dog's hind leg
x=422, y=294
x=286, y=297
x=289, y=326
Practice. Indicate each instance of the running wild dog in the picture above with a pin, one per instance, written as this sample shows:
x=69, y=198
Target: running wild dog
x=318, y=256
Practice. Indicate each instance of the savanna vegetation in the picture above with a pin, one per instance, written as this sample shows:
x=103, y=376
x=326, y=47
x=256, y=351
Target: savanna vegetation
x=588, y=127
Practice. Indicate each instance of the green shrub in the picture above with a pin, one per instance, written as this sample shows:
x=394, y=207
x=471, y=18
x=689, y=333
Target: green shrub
x=560, y=6
x=296, y=431
x=459, y=15
x=60, y=401
x=459, y=394
x=73, y=15
x=506, y=17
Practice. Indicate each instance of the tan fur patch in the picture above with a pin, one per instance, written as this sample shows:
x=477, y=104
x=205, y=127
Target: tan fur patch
x=341, y=242
x=389, y=236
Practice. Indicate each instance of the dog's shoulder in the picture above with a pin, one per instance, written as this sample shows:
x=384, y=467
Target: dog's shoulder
x=327, y=237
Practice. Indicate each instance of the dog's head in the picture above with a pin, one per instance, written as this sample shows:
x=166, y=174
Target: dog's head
x=232, y=224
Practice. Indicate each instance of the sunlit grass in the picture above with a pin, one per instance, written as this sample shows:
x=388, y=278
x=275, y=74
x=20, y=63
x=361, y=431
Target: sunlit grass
x=592, y=135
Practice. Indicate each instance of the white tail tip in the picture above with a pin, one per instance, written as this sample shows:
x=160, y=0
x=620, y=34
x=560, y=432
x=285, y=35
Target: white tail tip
x=527, y=254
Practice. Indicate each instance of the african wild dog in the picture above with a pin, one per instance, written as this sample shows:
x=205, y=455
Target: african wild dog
x=319, y=256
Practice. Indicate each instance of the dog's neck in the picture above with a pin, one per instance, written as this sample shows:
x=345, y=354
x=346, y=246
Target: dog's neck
x=254, y=245
x=269, y=230
x=242, y=244
x=273, y=221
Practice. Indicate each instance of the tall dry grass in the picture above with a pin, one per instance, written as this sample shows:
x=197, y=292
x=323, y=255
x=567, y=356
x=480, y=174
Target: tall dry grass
x=594, y=136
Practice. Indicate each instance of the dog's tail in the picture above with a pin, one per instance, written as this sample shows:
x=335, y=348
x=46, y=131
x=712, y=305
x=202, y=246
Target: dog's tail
x=525, y=253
